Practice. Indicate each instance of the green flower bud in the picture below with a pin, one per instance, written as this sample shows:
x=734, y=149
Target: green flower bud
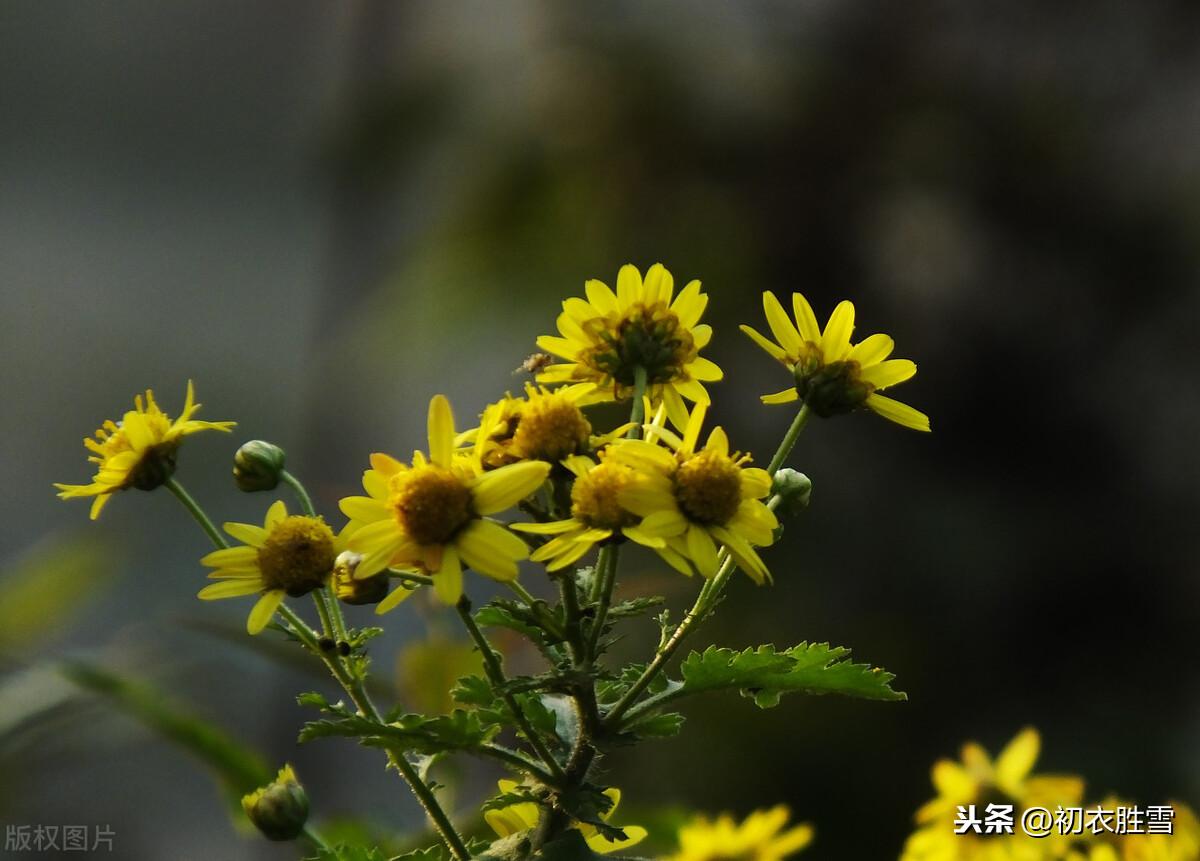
x=279, y=809
x=794, y=489
x=369, y=590
x=258, y=465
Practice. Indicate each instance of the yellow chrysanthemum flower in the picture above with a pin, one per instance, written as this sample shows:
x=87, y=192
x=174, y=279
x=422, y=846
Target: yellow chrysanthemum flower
x=831, y=375
x=979, y=777
x=760, y=837
x=287, y=555
x=545, y=425
x=697, y=503
x=431, y=514
x=1183, y=844
x=608, y=336
x=139, y=450
x=517, y=818
x=596, y=513
x=979, y=780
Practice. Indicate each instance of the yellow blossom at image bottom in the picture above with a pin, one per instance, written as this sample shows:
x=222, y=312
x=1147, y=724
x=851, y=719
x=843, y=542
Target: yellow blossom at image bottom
x=517, y=818
x=762, y=836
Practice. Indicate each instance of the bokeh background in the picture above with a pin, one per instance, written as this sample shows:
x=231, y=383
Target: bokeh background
x=327, y=213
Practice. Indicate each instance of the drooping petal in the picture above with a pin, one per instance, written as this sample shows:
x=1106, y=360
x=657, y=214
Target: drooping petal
x=784, y=397
x=702, y=550
x=394, y=599
x=447, y=579
x=554, y=527
x=705, y=370
x=264, y=610
x=491, y=549
x=901, y=414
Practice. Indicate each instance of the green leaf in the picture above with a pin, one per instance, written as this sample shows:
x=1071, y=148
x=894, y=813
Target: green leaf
x=355, y=852
x=538, y=622
x=239, y=769
x=765, y=674
x=635, y=607
x=459, y=730
x=663, y=725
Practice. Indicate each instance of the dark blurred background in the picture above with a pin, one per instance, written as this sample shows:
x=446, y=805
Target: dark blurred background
x=326, y=214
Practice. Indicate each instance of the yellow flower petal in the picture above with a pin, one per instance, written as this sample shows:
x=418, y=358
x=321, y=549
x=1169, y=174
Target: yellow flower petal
x=247, y=533
x=394, y=599
x=901, y=414
x=781, y=327
x=491, y=549
x=502, y=488
x=835, y=341
x=602, y=298
x=784, y=397
x=264, y=610
x=441, y=431
x=230, y=589
x=363, y=508
x=447, y=579
x=276, y=513
x=702, y=550
x=871, y=350
x=806, y=320
x=629, y=285
x=230, y=556
x=889, y=373
x=1017, y=759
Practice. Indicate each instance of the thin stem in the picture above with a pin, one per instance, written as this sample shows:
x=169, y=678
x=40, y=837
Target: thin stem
x=521, y=592
x=517, y=760
x=495, y=673
x=709, y=594
x=637, y=413
x=196, y=511
x=301, y=494
x=789, y=440
x=606, y=573
x=314, y=837
x=321, y=600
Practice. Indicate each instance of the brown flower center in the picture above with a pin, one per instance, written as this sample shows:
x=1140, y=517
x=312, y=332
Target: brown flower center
x=430, y=503
x=594, y=497
x=550, y=429
x=297, y=555
x=647, y=336
x=708, y=488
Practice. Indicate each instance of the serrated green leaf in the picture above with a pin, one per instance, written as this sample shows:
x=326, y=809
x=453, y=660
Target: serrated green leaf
x=663, y=725
x=765, y=673
x=634, y=607
x=459, y=730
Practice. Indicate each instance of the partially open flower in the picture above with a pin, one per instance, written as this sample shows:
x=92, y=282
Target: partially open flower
x=139, y=450
x=280, y=809
x=762, y=836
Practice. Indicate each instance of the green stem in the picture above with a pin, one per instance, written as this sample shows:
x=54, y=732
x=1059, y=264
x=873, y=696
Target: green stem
x=710, y=593
x=196, y=511
x=314, y=837
x=606, y=574
x=301, y=494
x=637, y=413
x=789, y=440
x=495, y=673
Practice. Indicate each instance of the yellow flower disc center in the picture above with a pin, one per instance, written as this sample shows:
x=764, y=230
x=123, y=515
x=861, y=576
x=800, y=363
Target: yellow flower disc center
x=594, y=497
x=550, y=429
x=708, y=488
x=649, y=336
x=430, y=503
x=297, y=555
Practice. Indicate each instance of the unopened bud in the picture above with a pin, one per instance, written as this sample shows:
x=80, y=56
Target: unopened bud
x=793, y=488
x=369, y=590
x=258, y=465
x=279, y=809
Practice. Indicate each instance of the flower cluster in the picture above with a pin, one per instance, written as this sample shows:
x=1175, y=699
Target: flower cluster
x=535, y=481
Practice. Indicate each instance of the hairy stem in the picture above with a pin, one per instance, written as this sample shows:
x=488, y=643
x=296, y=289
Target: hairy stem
x=495, y=673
